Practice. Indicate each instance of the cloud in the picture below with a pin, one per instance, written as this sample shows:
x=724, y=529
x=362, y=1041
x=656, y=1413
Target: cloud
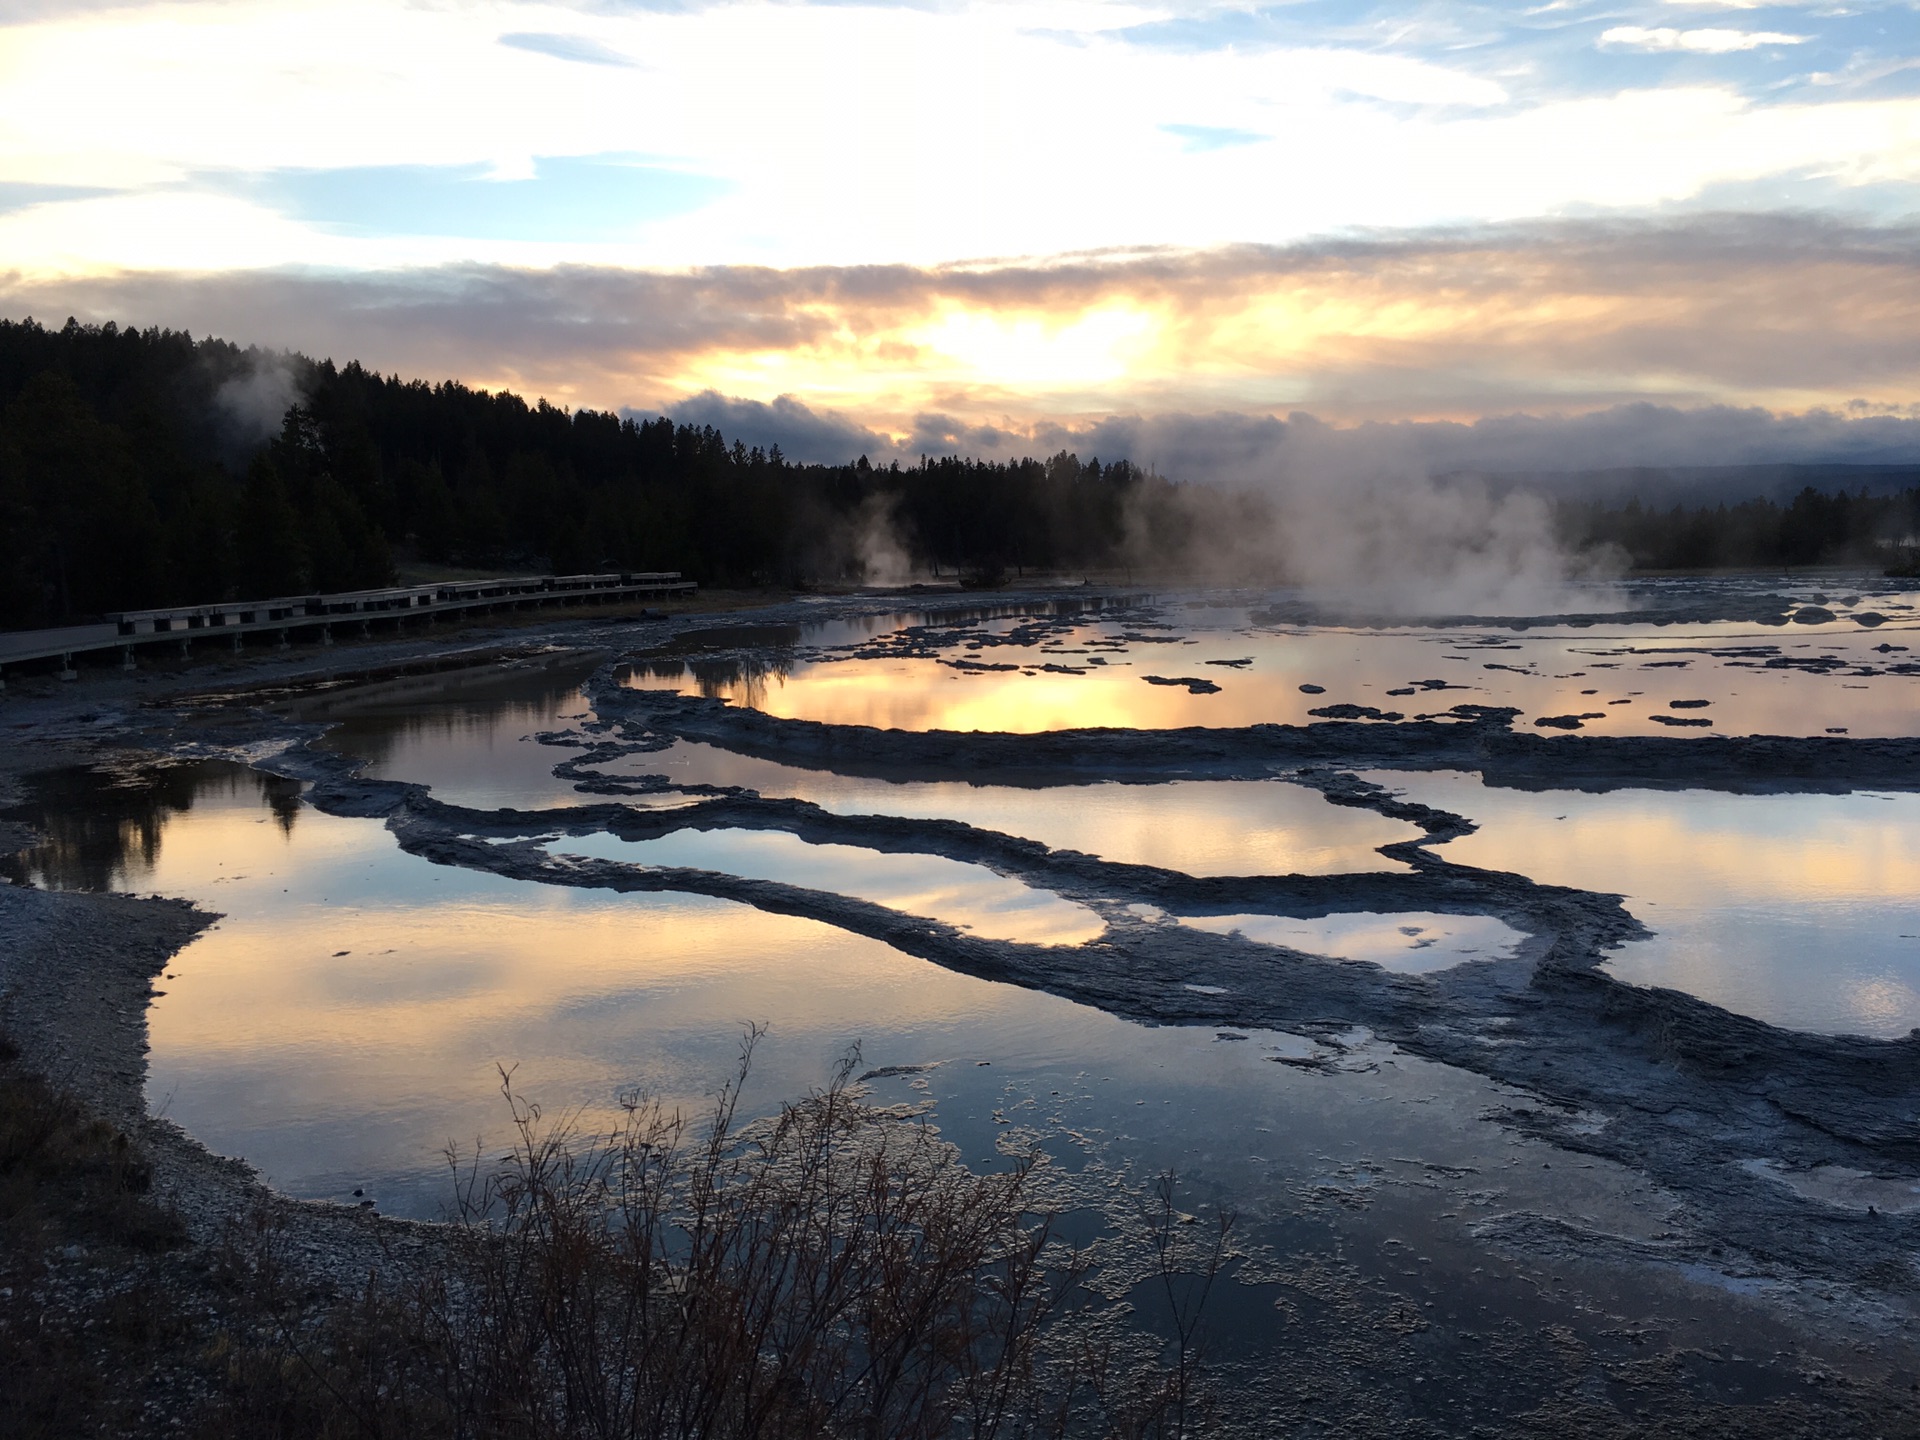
x=953, y=146
x=21, y=196
x=803, y=434
x=1238, y=448
x=1250, y=449
x=1700, y=42
x=1789, y=314
x=580, y=49
x=932, y=433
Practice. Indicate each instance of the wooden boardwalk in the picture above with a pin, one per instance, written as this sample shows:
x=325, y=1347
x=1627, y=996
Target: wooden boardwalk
x=317, y=617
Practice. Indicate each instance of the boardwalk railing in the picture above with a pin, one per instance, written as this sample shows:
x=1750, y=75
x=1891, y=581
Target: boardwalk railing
x=319, y=615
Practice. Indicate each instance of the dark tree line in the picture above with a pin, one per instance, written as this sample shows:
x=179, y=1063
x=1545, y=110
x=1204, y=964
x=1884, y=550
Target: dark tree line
x=134, y=472
x=1814, y=528
x=143, y=467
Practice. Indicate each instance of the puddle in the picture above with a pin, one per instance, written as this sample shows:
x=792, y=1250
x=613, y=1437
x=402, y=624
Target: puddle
x=1800, y=910
x=969, y=897
x=1413, y=943
x=1847, y=1189
x=1199, y=827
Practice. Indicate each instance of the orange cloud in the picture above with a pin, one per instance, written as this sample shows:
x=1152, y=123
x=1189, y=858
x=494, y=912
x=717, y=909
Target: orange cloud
x=1782, y=313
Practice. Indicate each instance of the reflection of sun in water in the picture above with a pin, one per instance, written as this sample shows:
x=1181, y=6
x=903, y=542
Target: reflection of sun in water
x=1882, y=999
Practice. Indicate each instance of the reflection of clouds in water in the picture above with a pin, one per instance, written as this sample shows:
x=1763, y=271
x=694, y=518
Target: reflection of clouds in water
x=895, y=682
x=969, y=897
x=1790, y=908
x=1198, y=827
x=1407, y=942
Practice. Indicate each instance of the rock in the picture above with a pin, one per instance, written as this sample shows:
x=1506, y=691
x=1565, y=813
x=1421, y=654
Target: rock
x=1812, y=615
x=1344, y=711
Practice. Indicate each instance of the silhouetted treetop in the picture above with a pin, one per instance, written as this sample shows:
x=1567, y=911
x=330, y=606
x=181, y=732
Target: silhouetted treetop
x=145, y=467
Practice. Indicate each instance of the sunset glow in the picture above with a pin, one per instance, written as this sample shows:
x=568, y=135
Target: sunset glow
x=993, y=216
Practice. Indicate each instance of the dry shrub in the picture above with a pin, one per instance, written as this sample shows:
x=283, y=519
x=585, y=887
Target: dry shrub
x=66, y=1175
x=83, y=1321
x=831, y=1271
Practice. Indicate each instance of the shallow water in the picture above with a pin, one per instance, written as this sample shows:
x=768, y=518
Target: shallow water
x=481, y=752
x=968, y=897
x=351, y=1015
x=1135, y=668
x=1408, y=943
x=1198, y=827
x=1800, y=910
x=467, y=736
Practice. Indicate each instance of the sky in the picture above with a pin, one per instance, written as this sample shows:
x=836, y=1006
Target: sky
x=986, y=227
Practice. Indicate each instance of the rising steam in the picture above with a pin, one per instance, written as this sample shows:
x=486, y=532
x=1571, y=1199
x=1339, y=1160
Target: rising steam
x=880, y=555
x=1357, y=519
x=252, y=404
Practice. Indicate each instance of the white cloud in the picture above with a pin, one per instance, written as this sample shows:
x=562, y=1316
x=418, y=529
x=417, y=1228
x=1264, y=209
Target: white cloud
x=844, y=133
x=1701, y=42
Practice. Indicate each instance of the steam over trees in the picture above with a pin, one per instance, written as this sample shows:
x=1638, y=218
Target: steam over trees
x=144, y=468
x=1814, y=528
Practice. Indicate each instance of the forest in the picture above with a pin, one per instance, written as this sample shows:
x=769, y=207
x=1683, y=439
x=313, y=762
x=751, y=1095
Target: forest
x=1814, y=528
x=144, y=467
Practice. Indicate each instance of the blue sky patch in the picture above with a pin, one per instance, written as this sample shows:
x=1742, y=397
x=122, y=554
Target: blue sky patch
x=577, y=48
x=583, y=198
x=1212, y=137
x=1540, y=52
x=16, y=195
